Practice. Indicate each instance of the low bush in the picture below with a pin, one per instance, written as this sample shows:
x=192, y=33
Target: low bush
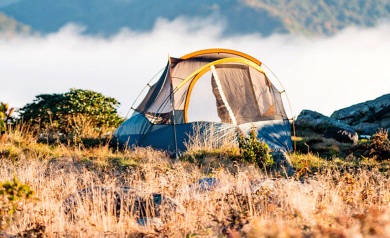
x=379, y=147
x=253, y=150
x=77, y=112
x=11, y=195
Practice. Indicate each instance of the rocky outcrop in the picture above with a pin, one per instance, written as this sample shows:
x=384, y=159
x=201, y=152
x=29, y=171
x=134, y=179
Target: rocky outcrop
x=366, y=117
x=342, y=135
x=318, y=121
x=330, y=127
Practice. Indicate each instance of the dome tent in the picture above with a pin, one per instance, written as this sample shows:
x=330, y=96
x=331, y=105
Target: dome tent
x=243, y=97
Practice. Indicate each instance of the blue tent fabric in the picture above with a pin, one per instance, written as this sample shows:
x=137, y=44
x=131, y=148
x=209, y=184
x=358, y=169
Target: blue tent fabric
x=275, y=133
x=132, y=130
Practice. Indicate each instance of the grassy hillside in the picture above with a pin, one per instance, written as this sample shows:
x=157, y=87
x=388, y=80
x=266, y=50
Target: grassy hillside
x=241, y=16
x=327, y=197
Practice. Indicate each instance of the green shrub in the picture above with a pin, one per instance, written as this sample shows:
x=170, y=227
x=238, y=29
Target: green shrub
x=11, y=195
x=73, y=112
x=5, y=115
x=253, y=150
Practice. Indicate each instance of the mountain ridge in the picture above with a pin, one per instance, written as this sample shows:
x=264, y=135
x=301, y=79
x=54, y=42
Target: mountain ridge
x=10, y=28
x=107, y=17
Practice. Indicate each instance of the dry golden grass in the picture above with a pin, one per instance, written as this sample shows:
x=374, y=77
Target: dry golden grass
x=337, y=200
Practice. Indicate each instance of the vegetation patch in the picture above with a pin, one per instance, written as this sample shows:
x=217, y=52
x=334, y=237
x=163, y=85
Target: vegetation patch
x=227, y=190
x=80, y=113
x=253, y=150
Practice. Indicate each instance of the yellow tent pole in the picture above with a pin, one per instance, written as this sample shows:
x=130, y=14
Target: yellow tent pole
x=201, y=71
x=221, y=61
x=210, y=51
x=188, y=97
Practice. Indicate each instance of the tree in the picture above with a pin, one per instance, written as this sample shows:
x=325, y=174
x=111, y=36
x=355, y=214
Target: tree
x=69, y=112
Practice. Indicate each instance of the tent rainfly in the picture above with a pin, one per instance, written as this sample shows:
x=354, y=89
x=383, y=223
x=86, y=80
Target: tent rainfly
x=244, y=97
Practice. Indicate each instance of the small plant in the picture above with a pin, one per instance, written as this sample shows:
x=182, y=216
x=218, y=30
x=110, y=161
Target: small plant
x=380, y=146
x=5, y=115
x=348, y=185
x=11, y=196
x=305, y=169
x=253, y=150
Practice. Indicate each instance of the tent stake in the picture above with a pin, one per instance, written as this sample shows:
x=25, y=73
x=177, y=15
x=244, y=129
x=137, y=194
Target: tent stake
x=174, y=133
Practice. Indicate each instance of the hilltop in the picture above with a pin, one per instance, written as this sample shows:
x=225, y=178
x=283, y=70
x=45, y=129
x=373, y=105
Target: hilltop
x=104, y=17
x=9, y=27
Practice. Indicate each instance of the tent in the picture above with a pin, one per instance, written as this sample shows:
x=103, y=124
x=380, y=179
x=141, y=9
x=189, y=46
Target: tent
x=242, y=97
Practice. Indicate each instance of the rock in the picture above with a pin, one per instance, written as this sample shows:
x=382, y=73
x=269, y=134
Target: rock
x=383, y=113
x=282, y=160
x=385, y=123
x=164, y=205
x=150, y=221
x=318, y=121
x=263, y=184
x=367, y=128
x=342, y=135
x=73, y=201
x=306, y=186
x=205, y=185
x=198, y=189
x=366, y=117
x=140, y=204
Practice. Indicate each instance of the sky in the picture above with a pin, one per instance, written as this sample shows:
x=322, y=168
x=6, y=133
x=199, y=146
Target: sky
x=322, y=74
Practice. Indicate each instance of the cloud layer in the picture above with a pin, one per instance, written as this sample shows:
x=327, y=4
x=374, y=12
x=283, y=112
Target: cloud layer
x=321, y=74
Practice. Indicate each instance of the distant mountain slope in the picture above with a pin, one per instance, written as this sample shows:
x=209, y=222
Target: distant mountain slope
x=4, y=3
x=324, y=16
x=107, y=17
x=9, y=27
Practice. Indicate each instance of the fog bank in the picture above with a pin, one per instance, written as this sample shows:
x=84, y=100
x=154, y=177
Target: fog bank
x=321, y=74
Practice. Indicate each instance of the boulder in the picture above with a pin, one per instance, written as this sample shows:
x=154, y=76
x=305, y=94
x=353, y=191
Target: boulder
x=318, y=121
x=342, y=135
x=366, y=117
x=150, y=221
x=380, y=115
x=205, y=185
x=202, y=187
x=268, y=184
x=385, y=123
x=367, y=128
x=126, y=199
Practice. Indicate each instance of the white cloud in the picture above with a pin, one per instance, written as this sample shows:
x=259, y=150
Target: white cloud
x=322, y=74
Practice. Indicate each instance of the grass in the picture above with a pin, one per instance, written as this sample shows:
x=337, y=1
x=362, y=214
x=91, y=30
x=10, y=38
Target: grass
x=329, y=196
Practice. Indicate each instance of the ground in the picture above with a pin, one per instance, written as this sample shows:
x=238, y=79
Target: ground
x=335, y=191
